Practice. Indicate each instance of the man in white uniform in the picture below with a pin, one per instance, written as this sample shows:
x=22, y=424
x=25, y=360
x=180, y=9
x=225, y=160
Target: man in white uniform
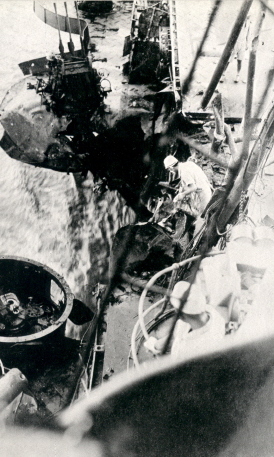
x=195, y=190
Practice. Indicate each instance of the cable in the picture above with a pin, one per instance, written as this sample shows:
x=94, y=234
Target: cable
x=222, y=233
x=2, y=367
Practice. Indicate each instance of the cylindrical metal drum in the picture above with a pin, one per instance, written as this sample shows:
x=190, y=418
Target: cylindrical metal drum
x=35, y=301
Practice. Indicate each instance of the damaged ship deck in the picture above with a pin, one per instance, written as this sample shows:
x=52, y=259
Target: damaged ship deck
x=110, y=350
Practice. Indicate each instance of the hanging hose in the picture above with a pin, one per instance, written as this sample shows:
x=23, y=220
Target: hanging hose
x=169, y=290
x=150, y=283
x=142, y=313
x=151, y=325
x=135, y=330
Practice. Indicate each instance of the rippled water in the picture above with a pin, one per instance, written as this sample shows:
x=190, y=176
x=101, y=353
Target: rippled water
x=48, y=216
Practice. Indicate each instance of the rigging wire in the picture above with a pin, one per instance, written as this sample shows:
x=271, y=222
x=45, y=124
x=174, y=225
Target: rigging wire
x=2, y=367
x=189, y=78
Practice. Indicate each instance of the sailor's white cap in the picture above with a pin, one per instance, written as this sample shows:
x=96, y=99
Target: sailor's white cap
x=196, y=302
x=169, y=161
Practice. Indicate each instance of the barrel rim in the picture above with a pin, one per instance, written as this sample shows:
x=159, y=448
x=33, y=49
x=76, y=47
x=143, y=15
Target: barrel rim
x=68, y=303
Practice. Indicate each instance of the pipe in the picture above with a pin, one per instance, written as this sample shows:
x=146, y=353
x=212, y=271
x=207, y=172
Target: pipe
x=201, y=149
x=190, y=75
x=61, y=46
x=80, y=31
x=247, y=172
x=248, y=125
x=70, y=44
x=11, y=385
x=224, y=60
x=218, y=136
